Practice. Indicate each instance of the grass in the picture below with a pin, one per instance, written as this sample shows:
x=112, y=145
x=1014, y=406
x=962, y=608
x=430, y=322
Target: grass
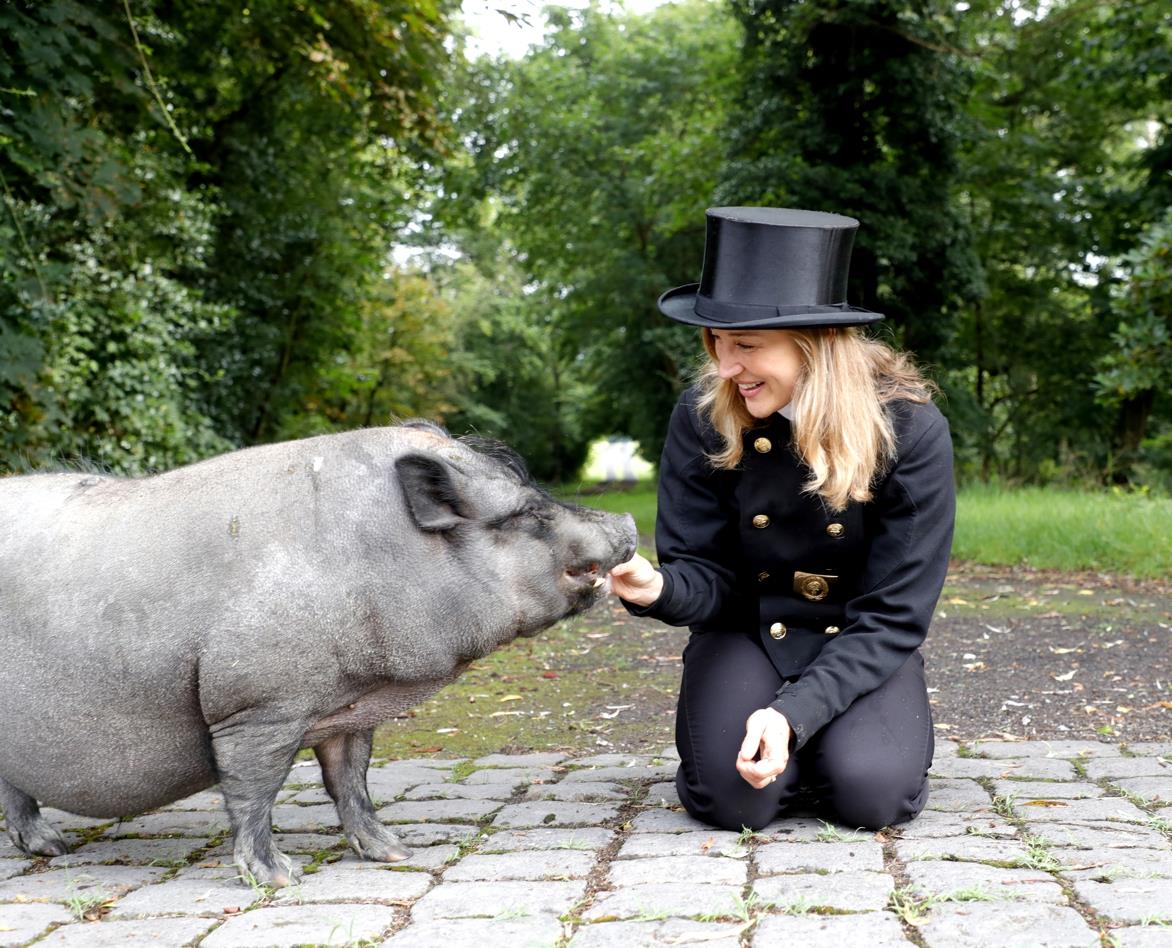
x=552, y=692
x=1042, y=527
x=1051, y=528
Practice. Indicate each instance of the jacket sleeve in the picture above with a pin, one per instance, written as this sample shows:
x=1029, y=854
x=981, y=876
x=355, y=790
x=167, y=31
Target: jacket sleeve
x=694, y=529
x=906, y=562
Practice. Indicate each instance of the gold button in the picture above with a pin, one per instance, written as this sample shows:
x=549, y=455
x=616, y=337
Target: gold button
x=760, y=521
x=763, y=577
x=832, y=630
x=763, y=445
x=777, y=630
x=835, y=529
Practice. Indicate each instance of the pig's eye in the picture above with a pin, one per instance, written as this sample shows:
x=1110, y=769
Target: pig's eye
x=540, y=514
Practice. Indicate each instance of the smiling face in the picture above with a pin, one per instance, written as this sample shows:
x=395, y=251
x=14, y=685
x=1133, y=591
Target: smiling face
x=764, y=365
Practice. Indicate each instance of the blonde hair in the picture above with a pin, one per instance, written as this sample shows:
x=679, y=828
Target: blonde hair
x=840, y=427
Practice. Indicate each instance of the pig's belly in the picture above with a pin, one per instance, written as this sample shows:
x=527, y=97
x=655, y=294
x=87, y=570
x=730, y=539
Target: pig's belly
x=376, y=706
x=113, y=767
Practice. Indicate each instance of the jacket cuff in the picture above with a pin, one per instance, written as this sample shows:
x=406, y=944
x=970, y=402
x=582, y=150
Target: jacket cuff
x=654, y=608
x=804, y=713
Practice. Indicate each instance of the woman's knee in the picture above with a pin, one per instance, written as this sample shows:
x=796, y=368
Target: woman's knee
x=725, y=800
x=857, y=796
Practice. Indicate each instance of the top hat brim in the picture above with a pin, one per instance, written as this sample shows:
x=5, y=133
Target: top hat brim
x=680, y=304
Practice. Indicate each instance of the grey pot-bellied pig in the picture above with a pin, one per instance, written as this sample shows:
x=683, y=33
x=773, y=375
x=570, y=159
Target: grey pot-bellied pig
x=166, y=633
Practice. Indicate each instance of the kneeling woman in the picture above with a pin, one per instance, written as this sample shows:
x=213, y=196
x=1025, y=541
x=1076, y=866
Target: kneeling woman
x=806, y=507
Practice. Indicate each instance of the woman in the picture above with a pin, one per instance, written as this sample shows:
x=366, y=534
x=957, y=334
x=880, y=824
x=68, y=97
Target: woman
x=805, y=518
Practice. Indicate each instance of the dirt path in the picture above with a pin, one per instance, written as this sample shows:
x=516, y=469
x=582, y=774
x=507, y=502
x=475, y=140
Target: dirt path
x=1046, y=655
x=1012, y=654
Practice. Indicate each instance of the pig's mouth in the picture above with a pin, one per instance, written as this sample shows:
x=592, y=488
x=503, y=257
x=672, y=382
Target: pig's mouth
x=588, y=577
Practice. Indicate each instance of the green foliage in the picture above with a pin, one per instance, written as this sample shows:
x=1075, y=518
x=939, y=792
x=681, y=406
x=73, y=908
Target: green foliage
x=1066, y=99
x=1139, y=365
x=589, y=164
x=198, y=201
x=511, y=380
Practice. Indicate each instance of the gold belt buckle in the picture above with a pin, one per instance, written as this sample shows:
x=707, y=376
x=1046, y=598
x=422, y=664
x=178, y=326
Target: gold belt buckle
x=813, y=586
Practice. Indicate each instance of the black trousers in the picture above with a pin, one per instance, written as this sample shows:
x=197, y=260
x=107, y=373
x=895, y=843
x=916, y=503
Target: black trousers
x=867, y=768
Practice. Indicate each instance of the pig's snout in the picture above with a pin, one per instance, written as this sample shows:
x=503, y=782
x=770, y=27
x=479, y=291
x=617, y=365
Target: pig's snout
x=630, y=540
x=619, y=542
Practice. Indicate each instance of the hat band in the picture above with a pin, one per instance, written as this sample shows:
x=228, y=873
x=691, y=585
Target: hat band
x=733, y=312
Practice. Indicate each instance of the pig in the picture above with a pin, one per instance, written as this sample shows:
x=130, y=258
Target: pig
x=166, y=633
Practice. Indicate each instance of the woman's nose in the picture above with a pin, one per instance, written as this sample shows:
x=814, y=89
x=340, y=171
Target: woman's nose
x=728, y=368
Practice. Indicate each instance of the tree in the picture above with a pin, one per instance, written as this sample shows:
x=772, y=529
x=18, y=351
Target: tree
x=853, y=106
x=1052, y=186
x=1138, y=369
x=200, y=199
x=590, y=162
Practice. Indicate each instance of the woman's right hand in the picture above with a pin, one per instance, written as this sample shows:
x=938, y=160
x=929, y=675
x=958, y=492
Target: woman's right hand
x=636, y=581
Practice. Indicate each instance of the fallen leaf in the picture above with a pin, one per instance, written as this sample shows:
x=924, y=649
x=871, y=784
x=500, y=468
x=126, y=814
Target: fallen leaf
x=707, y=844
x=1064, y=651
x=1045, y=803
x=429, y=750
x=549, y=674
x=232, y=910
x=1066, y=676
x=512, y=698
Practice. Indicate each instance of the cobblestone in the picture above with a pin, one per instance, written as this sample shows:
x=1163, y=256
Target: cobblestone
x=840, y=891
x=540, y=849
x=983, y=924
x=672, y=931
x=869, y=930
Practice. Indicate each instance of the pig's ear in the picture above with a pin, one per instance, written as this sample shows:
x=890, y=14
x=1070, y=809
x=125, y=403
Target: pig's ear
x=430, y=490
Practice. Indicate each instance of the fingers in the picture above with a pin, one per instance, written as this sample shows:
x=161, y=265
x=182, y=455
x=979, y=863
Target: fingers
x=636, y=581
x=764, y=753
x=754, y=731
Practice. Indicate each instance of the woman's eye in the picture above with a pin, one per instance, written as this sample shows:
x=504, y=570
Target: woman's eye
x=745, y=347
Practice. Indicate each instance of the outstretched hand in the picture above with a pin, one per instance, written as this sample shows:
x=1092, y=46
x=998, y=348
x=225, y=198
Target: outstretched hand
x=764, y=752
x=636, y=581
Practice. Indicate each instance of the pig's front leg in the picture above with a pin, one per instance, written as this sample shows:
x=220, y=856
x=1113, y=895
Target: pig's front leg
x=253, y=757
x=30, y=832
x=344, y=759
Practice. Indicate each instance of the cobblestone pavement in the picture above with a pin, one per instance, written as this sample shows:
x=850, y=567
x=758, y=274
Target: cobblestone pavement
x=1031, y=843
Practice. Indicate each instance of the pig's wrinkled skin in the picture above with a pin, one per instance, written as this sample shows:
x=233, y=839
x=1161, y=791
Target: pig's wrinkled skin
x=163, y=634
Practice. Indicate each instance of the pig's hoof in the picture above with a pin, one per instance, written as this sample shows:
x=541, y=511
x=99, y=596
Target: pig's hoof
x=38, y=838
x=276, y=875
x=379, y=847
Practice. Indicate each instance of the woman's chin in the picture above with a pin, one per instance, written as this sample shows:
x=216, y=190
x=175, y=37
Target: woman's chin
x=760, y=407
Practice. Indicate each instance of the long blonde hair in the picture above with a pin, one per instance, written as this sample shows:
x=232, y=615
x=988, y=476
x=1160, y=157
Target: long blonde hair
x=840, y=427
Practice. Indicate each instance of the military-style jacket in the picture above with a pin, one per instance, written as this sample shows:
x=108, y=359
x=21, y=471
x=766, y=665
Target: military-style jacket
x=839, y=600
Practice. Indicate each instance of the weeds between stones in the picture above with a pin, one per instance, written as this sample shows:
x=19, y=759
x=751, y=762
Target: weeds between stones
x=1003, y=805
x=912, y=906
x=1038, y=855
x=832, y=834
x=87, y=906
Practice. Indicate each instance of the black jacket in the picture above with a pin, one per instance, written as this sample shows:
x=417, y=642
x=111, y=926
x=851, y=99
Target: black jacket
x=839, y=601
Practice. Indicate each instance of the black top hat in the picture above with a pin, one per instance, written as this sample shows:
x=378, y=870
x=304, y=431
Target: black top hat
x=770, y=268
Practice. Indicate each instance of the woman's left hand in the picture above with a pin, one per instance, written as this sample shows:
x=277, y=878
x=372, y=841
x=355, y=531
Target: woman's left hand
x=765, y=750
